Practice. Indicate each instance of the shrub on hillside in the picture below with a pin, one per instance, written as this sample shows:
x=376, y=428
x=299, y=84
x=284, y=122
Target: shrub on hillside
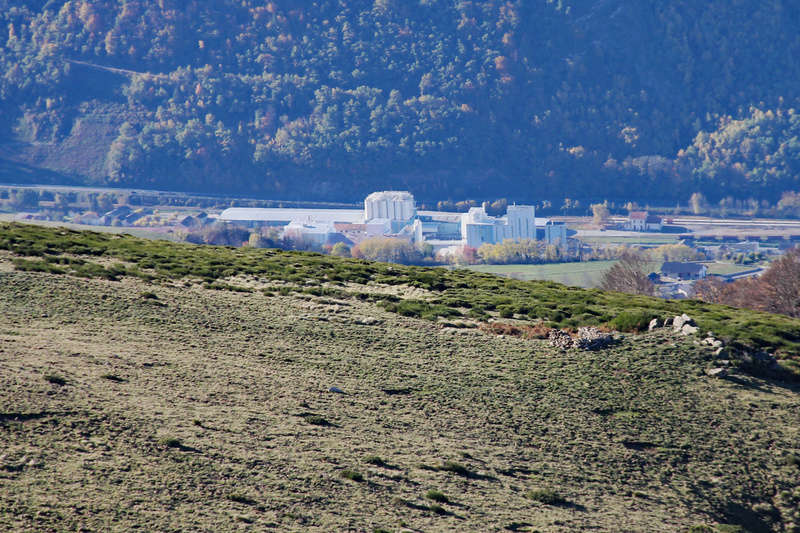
x=633, y=321
x=546, y=496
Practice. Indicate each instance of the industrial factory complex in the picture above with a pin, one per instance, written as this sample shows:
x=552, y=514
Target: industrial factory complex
x=394, y=214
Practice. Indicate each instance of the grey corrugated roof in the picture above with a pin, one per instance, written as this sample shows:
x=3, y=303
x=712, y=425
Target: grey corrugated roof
x=251, y=214
x=681, y=268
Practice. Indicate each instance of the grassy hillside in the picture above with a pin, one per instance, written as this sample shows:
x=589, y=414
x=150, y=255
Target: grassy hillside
x=438, y=293
x=156, y=403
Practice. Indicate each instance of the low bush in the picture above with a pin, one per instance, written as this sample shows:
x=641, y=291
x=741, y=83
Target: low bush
x=170, y=442
x=792, y=460
x=420, y=309
x=352, y=475
x=537, y=331
x=37, y=265
x=375, y=461
x=545, y=496
x=438, y=509
x=227, y=287
x=316, y=420
x=437, y=496
x=632, y=321
x=506, y=311
x=241, y=498
x=55, y=379
x=456, y=468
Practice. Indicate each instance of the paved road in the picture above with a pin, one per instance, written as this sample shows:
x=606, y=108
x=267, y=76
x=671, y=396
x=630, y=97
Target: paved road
x=705, y=221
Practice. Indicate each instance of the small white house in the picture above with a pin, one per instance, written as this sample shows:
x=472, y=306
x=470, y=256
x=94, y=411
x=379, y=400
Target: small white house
x=643, y=221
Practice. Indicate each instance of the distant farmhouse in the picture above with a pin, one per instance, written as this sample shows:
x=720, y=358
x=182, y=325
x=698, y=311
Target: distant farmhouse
x=684, y=271
x=394, y=214
x=643, y=221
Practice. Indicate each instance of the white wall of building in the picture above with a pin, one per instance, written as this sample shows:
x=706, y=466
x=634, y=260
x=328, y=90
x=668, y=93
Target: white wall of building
x=555, y=234
x=478, y=228
x=522, y=221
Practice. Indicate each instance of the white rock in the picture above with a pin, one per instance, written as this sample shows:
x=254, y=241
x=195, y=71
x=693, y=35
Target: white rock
x=680, y=321
x=688, y=329
x=717, y=372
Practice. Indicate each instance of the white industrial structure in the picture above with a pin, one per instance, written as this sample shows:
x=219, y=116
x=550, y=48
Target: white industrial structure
x=521, y=219
x=390, y=205
x=394, y=214
x=478, y=228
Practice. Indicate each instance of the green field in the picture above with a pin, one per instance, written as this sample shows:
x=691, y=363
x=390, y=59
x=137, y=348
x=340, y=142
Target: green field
x=585, y=274
x=644, y=239
x=730, y=268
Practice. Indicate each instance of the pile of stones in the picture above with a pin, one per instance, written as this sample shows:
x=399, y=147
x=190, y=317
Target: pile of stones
x=559, y=339
x=588, y=338
x=591, y=338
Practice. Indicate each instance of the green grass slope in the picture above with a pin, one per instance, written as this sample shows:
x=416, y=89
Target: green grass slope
x=439, y=292
x=158, y=406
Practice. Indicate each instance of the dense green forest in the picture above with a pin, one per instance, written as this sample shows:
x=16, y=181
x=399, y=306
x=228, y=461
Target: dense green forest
x=330, y=99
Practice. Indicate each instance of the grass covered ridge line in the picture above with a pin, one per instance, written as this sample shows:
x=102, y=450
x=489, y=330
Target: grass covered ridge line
x=449, y=293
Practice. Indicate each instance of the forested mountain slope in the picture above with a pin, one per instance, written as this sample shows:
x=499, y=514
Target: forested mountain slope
x=332, y=99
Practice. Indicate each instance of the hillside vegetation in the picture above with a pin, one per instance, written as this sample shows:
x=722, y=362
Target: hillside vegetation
x=272, y=391
x=438, y=292
x=332, y=99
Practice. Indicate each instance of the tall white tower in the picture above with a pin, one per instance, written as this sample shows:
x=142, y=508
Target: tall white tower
x=522, y=219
